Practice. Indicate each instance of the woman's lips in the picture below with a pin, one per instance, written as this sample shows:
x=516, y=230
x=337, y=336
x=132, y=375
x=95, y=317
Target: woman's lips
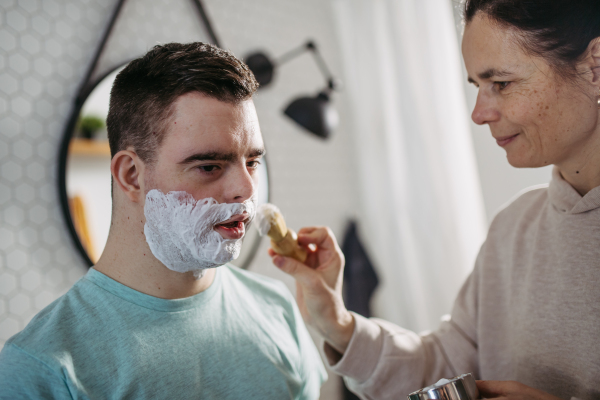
x=504, y=140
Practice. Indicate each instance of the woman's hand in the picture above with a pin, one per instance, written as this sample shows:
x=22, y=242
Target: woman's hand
x=319, y=285
x=511, y=390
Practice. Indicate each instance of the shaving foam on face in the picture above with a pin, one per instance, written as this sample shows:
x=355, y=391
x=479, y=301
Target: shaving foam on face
x=265, y=217
x=180, y=230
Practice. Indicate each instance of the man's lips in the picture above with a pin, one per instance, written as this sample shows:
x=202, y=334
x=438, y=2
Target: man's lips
x=236, y=218
x=233, y=228
x=504, y=140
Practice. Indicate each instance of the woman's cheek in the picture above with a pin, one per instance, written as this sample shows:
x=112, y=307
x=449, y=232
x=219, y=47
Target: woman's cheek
x=519, y=112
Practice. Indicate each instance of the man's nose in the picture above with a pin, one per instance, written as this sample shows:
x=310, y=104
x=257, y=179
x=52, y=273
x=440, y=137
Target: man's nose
x=241, y=185
x=485, y=110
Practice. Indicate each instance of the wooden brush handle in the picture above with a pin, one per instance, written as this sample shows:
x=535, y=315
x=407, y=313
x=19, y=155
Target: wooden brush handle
x=278, y=229
x=288, y=246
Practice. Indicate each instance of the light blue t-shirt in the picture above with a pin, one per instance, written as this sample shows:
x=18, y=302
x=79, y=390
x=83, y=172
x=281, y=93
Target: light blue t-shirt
x=242, y=338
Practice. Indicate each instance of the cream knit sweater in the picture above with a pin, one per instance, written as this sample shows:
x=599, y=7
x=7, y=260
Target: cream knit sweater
x=530, y=311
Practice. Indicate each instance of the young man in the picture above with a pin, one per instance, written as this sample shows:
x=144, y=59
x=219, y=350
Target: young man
x=154, y=318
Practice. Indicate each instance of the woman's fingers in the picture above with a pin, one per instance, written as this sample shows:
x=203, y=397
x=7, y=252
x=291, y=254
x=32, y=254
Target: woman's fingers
x=299, y=271
x=311, y=258
x=320, y=236
x=308, y=229
x=495, y=388
x=511, y=390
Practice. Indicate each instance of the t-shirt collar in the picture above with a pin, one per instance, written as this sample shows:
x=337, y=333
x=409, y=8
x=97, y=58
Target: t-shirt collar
x=144, y=300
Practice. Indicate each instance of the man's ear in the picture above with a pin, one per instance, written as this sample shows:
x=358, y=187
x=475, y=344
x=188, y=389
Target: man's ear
x=127, y=170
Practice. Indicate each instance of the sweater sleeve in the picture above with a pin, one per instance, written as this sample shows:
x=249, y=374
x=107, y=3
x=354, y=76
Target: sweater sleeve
x=23, y=376
x=385, y=361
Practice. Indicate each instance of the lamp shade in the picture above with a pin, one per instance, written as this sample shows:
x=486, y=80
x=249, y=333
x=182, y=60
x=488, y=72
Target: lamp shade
x=314, y=114
x=262, y=67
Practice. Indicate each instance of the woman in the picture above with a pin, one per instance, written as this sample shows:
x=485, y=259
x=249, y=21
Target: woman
x=528, y=317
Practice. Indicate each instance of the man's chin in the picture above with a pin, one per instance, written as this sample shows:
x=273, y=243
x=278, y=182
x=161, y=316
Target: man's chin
x=199, y=274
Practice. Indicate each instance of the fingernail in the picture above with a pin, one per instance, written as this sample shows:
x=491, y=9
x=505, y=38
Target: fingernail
x=279, y=261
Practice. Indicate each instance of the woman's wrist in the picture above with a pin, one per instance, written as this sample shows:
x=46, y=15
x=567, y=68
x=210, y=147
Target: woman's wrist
x=340, y=338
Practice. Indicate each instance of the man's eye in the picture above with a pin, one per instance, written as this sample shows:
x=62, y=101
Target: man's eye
x=253, y=164
x=501, y=85
x=207, y=168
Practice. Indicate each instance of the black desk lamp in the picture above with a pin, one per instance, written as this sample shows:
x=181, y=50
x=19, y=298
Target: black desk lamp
x=314, y=113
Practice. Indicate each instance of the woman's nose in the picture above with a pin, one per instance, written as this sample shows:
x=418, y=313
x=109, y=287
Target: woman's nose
x=485, y=110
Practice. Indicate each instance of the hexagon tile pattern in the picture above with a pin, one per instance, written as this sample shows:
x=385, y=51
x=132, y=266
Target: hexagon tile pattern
x=45, y=49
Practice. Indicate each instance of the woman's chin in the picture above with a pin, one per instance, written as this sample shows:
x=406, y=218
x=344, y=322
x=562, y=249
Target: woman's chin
x=521, y=161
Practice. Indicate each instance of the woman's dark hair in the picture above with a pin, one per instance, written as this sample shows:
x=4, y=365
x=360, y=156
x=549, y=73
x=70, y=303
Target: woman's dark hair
x=557, y=30
x=143, y=94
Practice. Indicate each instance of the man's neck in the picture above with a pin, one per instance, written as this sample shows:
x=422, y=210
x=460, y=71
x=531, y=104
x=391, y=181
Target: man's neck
x=128, y=260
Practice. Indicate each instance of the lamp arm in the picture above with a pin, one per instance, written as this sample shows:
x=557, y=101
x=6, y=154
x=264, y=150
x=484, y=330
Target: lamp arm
x=312, y=47
x=322, y=66
x=290, y=55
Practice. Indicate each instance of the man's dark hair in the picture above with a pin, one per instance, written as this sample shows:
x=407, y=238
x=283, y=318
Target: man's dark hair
x=142, y=96
x=557, y=30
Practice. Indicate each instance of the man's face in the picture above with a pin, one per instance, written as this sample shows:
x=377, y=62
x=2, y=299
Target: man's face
x=211, y=149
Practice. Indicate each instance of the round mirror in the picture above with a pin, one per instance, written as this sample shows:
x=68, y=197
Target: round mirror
x=85, y=179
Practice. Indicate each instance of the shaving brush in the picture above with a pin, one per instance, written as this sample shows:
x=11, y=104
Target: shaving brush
x=284, y=241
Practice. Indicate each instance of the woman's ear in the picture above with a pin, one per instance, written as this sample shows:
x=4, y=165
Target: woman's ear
x=127, y=171
x=594, y=60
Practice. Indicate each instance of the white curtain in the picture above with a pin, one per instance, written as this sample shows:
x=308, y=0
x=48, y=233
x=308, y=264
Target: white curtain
x=422, y=216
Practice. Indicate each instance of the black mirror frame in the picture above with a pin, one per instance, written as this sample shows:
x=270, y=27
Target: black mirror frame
x=62, y=166
x=85, y=90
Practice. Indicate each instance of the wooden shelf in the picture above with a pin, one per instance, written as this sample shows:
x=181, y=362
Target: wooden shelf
x=89, y=147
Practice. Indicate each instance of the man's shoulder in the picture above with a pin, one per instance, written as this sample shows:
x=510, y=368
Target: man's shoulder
x=45, y=331
x=23, y=375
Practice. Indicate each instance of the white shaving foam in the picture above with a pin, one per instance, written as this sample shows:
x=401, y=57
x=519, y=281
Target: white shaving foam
x=180, y=230
x=265, y=216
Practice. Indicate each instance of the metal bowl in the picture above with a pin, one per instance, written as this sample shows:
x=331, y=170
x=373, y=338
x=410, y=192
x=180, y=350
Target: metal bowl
x=459, y=388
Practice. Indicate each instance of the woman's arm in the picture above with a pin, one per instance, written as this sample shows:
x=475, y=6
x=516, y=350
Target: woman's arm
x=379, y=359
x=319, y=285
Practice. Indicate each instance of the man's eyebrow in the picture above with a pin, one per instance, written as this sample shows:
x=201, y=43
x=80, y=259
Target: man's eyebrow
x=492, y=72
x=259, y=152
x=209, y=156
x=219, y=156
